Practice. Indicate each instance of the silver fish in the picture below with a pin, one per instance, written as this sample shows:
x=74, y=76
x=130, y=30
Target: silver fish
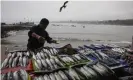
x=10, y=62
x=36, y=65
x=53, y=63
x=24, y=74
x=15, y=75
x=5, y=63
x=62, y=74
x=46, y=77
x=77, y=57
x=74, y=74
x=10, y=76
x=4, y=76
x=40, y=78
x=52, y=77
x=34, y=56
x=28, y=53
x=58, y=62
x=39, y=63
x=57, y=76
x=55, y=51
x=9, y=55
x=14, y=64
x=49, y=63
x=87, y=74
x=24, y=61
x=44, y=63
x=20, y=61
x=42, y=55
x=98, y=69
x=14, y=54
x=90, y=70
x=38, y=55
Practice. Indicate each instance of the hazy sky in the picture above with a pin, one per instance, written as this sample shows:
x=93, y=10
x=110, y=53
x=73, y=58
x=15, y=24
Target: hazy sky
x=15, y=11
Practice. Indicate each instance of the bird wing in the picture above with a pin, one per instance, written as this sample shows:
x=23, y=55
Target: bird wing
x=65, y=3
x=61, y=8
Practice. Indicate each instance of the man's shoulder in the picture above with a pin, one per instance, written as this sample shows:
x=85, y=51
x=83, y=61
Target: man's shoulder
x=34, y=27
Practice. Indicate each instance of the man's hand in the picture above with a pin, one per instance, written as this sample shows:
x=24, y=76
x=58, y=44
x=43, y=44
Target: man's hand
x=54, y=41
x=41, y=39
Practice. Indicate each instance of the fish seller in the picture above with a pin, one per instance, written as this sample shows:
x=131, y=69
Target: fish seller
x=38, y=35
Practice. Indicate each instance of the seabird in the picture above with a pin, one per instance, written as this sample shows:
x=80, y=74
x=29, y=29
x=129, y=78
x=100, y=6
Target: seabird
x=64, y=5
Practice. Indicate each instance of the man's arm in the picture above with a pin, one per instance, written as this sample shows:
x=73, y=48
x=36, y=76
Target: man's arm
x=49, y=39
x=32, y=33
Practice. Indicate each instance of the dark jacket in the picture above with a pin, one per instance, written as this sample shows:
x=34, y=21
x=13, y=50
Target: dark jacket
x=33, y=43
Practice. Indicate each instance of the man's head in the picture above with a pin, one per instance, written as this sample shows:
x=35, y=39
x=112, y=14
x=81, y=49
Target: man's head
x=44, y=23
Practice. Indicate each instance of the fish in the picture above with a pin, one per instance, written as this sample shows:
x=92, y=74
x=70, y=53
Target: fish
x=9, y=55
x=74, y=74
x=46, y=77
x=90, y=71
x=15, y=75
x=77, y=57
x=53, y=63
x=42, y=55
x=34, y=57
x=40, y=78
x=44, y=63
x=57, y=76
x=5, y=63
x=58, y=62
x=87, y=74
x=28, y=54
x=52, y=76
x=51, y=51
x=39, y=63
x=63, y=76
x=36, y=65
x=49, y=63
x=55, y=51
x=10, y=62
x=4, y=76
x=24, y=61
x=10, y=76
x=38, y=55
x=20, y=61
x=23, y=74
x=14, y=54
x=14, y=64
x=98, y=70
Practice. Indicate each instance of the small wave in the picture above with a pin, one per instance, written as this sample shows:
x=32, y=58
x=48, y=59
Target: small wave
x=12, y=33
x=127, y=42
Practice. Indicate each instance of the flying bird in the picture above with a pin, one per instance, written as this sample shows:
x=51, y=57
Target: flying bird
x=64, y=5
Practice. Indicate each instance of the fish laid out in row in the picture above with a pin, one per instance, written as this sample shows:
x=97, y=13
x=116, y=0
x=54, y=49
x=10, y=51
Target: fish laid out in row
x=47, y=64
x=57, y=62
x=74, y=59
x=45, y=53
x=93, y=72
x=17, y=75
x=16, y=59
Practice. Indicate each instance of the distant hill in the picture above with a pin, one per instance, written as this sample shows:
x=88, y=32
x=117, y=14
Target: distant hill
x=128, y=22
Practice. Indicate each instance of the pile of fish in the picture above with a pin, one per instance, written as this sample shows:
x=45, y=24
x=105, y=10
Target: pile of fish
x=17, y=75
x=15, y=59
x=88, y=62
x=49, y=60
x=85, y=72
x=108, y=55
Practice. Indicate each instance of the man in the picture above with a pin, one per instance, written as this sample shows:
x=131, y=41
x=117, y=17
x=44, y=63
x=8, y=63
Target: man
x=38, y=35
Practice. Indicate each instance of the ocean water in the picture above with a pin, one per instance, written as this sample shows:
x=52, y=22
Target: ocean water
x=75, y=33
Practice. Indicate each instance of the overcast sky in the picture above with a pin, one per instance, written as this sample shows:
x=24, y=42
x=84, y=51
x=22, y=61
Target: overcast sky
x=15, y=11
